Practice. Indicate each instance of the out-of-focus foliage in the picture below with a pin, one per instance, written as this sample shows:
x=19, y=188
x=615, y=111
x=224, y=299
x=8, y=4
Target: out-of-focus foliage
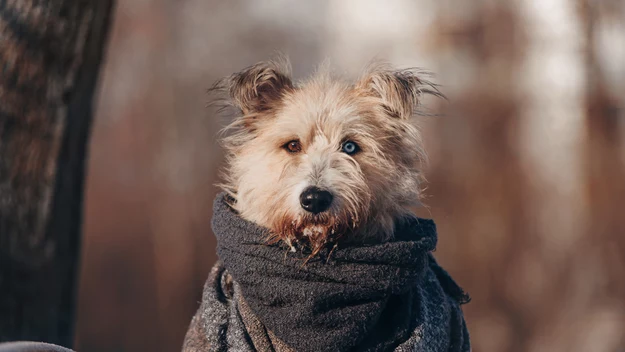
x=527, y=173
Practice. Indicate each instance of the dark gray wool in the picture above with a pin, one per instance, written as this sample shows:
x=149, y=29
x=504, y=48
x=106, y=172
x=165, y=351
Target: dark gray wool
x=391, y=296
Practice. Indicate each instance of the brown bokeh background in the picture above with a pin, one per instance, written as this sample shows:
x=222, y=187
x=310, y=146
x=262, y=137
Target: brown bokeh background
x=527, y=174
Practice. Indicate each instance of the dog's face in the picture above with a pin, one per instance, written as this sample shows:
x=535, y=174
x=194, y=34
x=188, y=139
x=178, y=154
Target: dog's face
x=325, y=158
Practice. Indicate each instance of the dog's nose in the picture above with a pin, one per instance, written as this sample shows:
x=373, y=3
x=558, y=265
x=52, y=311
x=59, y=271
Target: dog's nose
x=315, y=200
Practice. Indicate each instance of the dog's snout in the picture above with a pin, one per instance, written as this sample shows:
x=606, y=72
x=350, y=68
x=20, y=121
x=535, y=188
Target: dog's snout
x=315, y=200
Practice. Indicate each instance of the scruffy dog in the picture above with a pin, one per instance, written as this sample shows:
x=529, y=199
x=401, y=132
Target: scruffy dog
x=327, y=169
x=326, y=158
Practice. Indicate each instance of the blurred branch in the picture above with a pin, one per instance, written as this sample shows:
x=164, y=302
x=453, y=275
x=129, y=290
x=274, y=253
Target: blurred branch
x=50, y=54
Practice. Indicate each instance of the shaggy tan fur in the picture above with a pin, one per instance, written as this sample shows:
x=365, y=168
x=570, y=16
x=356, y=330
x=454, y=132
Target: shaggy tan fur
x=371, y=188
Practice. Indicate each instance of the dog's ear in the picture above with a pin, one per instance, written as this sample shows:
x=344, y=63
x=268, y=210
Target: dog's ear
x=398, y=90
x=258, y=88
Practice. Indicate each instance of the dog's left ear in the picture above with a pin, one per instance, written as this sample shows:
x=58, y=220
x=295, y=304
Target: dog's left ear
x=399, y=90
x=260, y=87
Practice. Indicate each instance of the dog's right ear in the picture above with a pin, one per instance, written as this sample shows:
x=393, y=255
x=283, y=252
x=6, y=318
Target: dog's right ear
x=399, y=91
x=258, y=88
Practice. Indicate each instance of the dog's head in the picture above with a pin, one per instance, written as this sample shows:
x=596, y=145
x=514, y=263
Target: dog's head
x=325, y=158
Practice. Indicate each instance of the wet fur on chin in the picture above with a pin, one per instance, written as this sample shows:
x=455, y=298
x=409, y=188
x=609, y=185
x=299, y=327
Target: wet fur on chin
x=371, y=188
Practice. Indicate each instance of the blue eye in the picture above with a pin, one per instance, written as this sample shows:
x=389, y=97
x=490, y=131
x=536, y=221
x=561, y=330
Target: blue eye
x=350, y=148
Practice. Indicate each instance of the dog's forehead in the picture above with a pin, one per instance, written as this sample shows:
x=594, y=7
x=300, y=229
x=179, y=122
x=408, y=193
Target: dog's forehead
x=329, y=108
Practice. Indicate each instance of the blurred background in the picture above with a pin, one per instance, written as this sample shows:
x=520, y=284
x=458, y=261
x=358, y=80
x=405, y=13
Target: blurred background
x=527, y=173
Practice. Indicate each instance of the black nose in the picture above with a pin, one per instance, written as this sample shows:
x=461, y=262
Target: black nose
x=315, y=200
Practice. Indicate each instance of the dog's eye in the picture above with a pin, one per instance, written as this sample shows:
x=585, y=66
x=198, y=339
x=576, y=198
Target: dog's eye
x=350, y=148
x=293, y=146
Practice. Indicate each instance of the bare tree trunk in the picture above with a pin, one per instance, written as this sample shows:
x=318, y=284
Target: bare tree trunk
x=50, y=54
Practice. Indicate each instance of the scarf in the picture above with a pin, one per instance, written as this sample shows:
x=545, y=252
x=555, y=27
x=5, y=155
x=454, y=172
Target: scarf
x=390, y=296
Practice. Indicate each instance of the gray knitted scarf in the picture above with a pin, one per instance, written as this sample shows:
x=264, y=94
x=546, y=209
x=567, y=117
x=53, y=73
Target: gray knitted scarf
x=390, y=296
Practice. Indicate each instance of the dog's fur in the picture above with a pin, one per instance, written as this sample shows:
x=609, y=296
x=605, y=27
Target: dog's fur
x=371, y=188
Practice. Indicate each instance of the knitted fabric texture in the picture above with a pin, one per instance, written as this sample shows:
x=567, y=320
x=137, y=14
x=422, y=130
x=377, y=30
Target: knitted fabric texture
x=390, y=296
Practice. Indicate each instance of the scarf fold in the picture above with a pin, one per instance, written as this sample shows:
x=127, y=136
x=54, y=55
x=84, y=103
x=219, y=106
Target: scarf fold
x=391, y=296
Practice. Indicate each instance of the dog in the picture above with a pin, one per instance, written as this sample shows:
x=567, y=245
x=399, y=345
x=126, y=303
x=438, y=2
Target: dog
x=326, y=168
x=325, y=158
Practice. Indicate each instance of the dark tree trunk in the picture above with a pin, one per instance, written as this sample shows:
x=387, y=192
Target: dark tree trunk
x=50, y=54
